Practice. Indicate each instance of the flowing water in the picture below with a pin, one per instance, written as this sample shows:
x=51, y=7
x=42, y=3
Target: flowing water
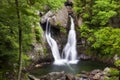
x=69, y=52
x=52, y=43
x=70, y=49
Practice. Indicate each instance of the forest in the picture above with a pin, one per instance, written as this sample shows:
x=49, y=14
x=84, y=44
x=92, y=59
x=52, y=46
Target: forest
x=24, y=40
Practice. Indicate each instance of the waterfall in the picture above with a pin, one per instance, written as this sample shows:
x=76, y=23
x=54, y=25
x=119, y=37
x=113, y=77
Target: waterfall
x=52, y=43
x=69, y=51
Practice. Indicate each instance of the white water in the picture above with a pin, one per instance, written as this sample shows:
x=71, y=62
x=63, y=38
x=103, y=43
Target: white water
x=69, y=51
x=52, y=43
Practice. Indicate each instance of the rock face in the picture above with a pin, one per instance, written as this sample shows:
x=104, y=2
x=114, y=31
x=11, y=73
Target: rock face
x=36, y=52
x=57, y=19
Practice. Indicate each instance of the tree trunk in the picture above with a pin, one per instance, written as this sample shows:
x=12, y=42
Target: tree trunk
x=119, y=74
x=20, y=39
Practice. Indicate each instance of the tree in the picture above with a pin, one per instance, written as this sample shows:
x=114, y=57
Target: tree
x=16, y=17
x=20, y=38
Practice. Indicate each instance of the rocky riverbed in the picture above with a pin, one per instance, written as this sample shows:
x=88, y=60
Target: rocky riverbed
x=96, y=74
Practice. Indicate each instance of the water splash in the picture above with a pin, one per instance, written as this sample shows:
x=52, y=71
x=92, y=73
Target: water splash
x=69, y=51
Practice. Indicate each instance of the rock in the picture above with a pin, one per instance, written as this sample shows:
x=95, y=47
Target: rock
x=97, y=76
x=69, y=77
x=93, y=75
x=54, y=76
x=61, y=21
x=79, y=21
x=106, y=69
x=84, y=76
x=84, y=72
x=31, y=77
x=46, y=16
x=38, y=65
x=55, y=18
x=116, y=57
x=95, y=71
x=36, y=52
x=85, y=57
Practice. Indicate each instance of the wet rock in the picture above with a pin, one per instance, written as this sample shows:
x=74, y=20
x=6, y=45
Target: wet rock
x=93, y=75
x=85, y=57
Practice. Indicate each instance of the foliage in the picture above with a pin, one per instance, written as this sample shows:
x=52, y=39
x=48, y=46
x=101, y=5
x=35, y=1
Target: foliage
x=96, y=12
x=62, y=30
x=96, y=15
x=38, y=34
x=113, y=72
x=112, y=78
x=55, y=4
x=103, y=10
x=9, y=38
x=107, y=40
x=45, y=5
x=85, y=31
x=117, y=63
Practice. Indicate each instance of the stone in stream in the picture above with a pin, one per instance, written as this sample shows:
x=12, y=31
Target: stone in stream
x=93, y=75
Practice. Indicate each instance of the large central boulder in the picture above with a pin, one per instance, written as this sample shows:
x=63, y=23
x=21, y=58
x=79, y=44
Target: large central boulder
x=57, y=19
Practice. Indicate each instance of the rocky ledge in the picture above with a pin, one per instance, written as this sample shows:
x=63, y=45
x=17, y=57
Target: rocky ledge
x=93, y=75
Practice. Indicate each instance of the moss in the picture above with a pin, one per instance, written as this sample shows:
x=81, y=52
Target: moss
x=63, y=30
x=38, y=34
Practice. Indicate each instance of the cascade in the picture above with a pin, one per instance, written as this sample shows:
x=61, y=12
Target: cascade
x=69, y=51
x=52, y=43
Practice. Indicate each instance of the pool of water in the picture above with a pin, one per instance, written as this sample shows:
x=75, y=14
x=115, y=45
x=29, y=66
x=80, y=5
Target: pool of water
x=69, y=68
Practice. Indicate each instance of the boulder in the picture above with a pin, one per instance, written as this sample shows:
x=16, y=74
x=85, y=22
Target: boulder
x=59, y=18
x=97, y=76
x=54, y=76
x=85, y=57
x=46, y=16
x=95, y=71
x=69, y=77
x=31, y=77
